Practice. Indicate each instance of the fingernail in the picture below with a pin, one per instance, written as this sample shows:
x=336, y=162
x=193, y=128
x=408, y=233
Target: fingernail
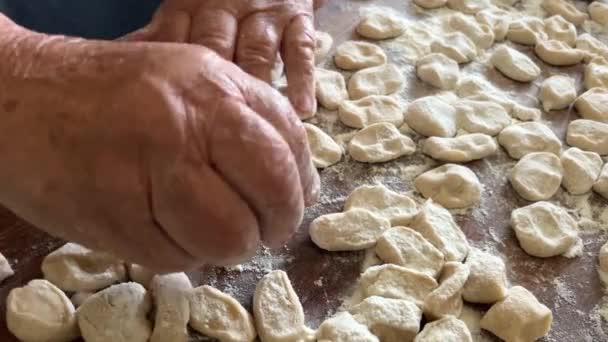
x=306, y=107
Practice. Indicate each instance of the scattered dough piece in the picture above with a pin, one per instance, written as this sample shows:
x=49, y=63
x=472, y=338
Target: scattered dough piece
x=80, y=297
x=431, y=116
x=381, y=80
x=480, y=34
x=455, y=45
x=497, y=19
x=352, y=230
x=537, y=176
x=468, y=6
x=557, y=92
x=601, y=185
x=392, y=320
x=481, y=117
x=558, y=28
x=118, y=314
x=324, y=150
x=344, y=328
x=379, y=25
x=581, y=170
x=591, y=46
x=603, y=264
x=437, y=225
x=354, y=55
x=218, y=315
x=279, y=316
x=446, y=300
x=76, y=268
x=438, y=70
x=588, y=135
x=487, y=282
x=140, y=274
x=596, y=73
x=452, y=186
x=558, y=53
x=461, y=149
x=527, y=31
x=524, y=113
x=330, y=88
x=6, y=270
x=431, y=4
x=406, y=247
x=518, y=317
x=514, y=64
x=593, y=104
x=383, y=202
x=528, y=137
x=397, y=282
x=40, y=312
x=171, y=298
x=565, y=9
x=598, y=10
x=323, y=44
x=370, y=110
x=449, y=329
x=380, y=142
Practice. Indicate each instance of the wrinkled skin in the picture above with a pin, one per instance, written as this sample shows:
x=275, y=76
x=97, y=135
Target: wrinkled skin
x=163, y=154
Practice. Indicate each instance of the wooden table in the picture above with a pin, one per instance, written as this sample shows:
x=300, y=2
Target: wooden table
x=570, y=287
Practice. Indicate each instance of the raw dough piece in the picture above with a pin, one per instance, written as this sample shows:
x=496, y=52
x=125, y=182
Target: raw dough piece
x=481, y=117
x=588, y=135
x=279, y=316
x=80, y=297
x=354, y=55
x=449, y=329
x=593, y=104
x=591, y=46
x=437, y=225
x=452, y=186
x=431, y=116
x=566, y=10
x=431, y=4
x=76, y=268
x=392, y=320
x=455, y=45
x=379, y=25
x=330, y=88
x=528, y=137
x=323, y=44
x=438, y=70
x=601, y=185
x=116, y=314
x=527, y=31
x=514, y=64
x=558, y=28
x=324, y=150
x=603, y=264
x=596, y=73
x=406, y=247
x=171, y=294
x=218, y=315
x=383, y=202
x=480, y=34
x=518, y=317
x=140, y=274
x=352, y=230
x=537, y=176
x=487, y=282
x=380, y=142
x=557, y=92
x=598, y=10
x=6, y=270
x=558, y=53
x=40, y=312
x=370, y=110
x=468, y=6
x=581, y=170
x=344, y=328
x=462, y=149
x=497, y=19
x=381, y=80
x=446, y=300
x=524, y=113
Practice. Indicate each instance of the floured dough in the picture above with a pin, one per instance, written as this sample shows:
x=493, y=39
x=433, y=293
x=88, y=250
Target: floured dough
x=487, y=282
x=598, y=10
x=468, y=6
x=171, y=294
x=379, y=25
x=480, y=34
x=446, y=300
x=481, y=117
x=527, y=31
x=497, y=19
x=565, y=9
x=381, y=80
x=392, y=320
x=40, y=312
x=601, y=185
x=528, y=137
x=323, y=44
x=455, y=45
x=438, y=70
x=76, y=268
x=596, y=73
x=324, y=150
x=593, y=104
x=558, y=53
x=437, y=225
x=218, y=315
x=518, y=317
x=383, y=202
x=370, y=110
x=581, y=170
x=537, y=176
x=6, y=270
x=557, y=92
x=431, y=116
x=524, y=113
x=118, y=314
x=431, y=4
x=330, y=88
x=452, y=186
x=591, y=46
x=355, y=55
x=558, y=28
x=477, y=89
x=140, y=274
x=406, y=247
x=80, y=297
x=514, y=64
x=449, y=329
x=461, y=149
x=588, y=135
x=344, y=328
x=380, y=142
x=352, y=230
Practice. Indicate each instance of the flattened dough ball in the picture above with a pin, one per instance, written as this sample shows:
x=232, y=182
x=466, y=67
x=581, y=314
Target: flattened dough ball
x=598, y=10
x=537, y=176
x=446, y=300
x=330, y=88
x=380, y=25
x=383, y=202
x=344, y=328
x=593, y=104
x=431, y=116
x=449, y=329
x=171, y=294
x=529, y=137
x=324, y=150
x=558, y=28
x=596, y=73
x=323, y=43
x=564, y=9
x=370, y=110
x=527, y=31
x=461, y=149
x=455, y=45
x=558, y=53
x=480, y=34
x=487, y=282
x=557, y=92
x=380, y=80
x=588, y=135
x=514, y=64
x=354, y=55
x=451, y=185
x=601, y=185
x=392, y=320
x=438, y=70
x=581, y=170
x=497, y=19
x=481, y=117
x=380, y=142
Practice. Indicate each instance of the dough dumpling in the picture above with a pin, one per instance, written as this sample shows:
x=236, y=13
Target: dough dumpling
x=455, y=45
x=381, y=201
x=601, y=185
x=598, y=10
x=430, y=4
x=487, y=282
x=557, y=92
x=392, y=320
x=514, y=64
x=381, y=80
x=449, y=329
x=593, y=104
x=451, y=185
x=564, y=9
x=446, y=299
x=497, y=19
x=370, y=110
x=323, y=43
x=596, y=73
x=588, y=135
x=528, y=137
x=480, y=34
x=431, y=116
x=461, y=149
x=324, y=150
x=537, y=176
x=438, y=70
x=380, y=25
x=343, y=328
x=354, y=55
x=379, y=143
x=330, y=88
x=527, y=31
x=581, y=170
x=558, y=53
x=560, y=29
x=468, y=6
x=481, y=117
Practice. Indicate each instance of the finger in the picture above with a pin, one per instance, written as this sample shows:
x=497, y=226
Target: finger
x=215, y=29
x=167, y=25
x=298, y=54
x=258, y=45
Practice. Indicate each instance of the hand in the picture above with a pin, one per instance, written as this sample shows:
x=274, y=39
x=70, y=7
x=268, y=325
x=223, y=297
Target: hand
x=251, y=33
x=166, y=155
